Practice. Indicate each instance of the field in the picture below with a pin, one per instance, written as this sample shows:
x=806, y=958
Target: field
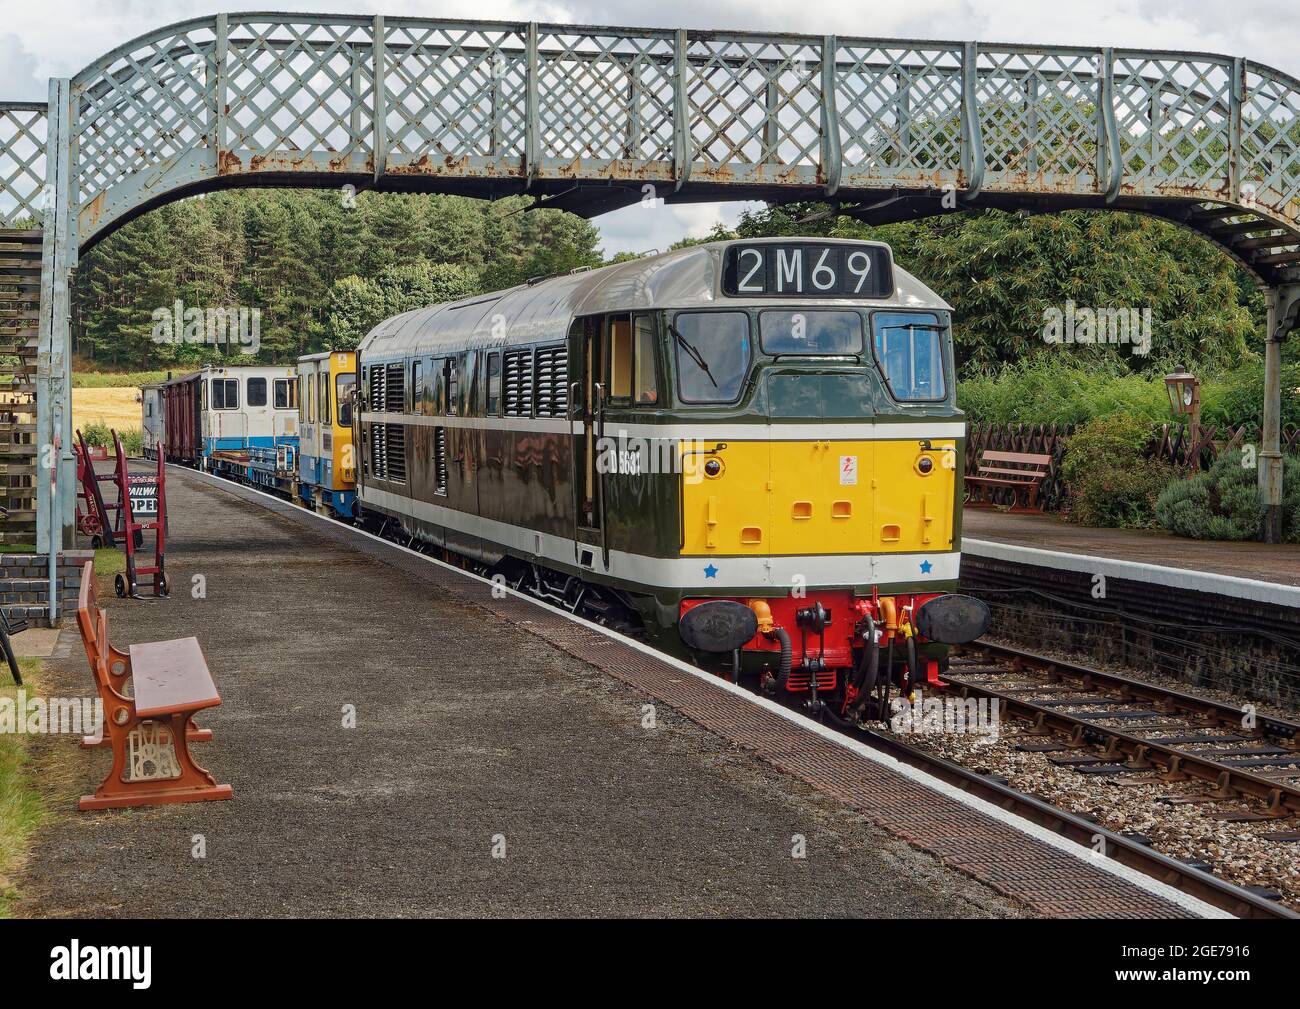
x=106, y=379
x=112, y=407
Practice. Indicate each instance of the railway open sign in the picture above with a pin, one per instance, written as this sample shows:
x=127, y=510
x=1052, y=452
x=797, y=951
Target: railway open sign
x=144, y=494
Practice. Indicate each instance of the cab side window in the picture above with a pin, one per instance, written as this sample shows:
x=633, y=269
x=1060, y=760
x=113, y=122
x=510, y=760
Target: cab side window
x=630, y=340
x=494, y=384
x=645, y=387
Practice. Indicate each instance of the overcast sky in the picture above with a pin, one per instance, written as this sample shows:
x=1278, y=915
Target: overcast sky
x=44, y=38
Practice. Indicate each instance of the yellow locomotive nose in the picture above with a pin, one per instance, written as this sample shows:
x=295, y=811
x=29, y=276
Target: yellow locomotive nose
x=795, y=498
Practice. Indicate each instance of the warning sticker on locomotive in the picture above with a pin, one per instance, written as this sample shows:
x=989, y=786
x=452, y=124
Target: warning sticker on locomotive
x=144, y=495
x=848, y=471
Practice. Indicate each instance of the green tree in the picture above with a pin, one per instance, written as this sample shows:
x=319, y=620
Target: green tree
x=356, y=306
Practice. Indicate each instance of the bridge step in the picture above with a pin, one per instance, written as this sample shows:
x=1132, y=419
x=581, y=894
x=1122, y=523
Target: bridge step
x=20, y=276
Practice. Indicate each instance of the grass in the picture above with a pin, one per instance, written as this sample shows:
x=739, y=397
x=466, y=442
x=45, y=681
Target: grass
x=21, y=808
x=109, y=561
x=116, y=380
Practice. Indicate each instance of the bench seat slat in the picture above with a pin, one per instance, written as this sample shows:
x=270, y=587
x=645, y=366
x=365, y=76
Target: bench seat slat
x=1025, y=457
x=171, y=677
x=999, y=471
x=1002, y=481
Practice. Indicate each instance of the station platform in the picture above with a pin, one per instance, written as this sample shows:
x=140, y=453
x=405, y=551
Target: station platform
x=1211, y=614
x=487, y=723
x=1144, y=555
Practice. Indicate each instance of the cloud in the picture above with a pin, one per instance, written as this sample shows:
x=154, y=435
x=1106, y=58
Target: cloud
x=640, y=229
x=18, y=78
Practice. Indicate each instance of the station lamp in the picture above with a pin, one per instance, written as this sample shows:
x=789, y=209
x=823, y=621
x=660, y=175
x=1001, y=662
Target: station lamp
x=1185, y=398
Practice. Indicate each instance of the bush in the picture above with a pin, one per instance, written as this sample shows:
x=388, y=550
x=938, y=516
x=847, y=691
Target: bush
x=97, y=435
x=1223, y=503
x=1108, y=478
x=1064, y=393
x=1237, y=398
x=1056, y=393
x=100, y=436
x=132, y=441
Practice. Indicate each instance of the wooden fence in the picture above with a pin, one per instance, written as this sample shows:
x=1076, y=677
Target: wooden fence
x=1169, y=442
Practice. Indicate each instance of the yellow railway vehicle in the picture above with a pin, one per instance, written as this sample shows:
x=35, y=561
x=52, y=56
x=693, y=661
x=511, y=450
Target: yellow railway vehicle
x=327, y=472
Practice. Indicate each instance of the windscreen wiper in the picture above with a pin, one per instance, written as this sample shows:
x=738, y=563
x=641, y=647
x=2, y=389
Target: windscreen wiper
x=694, y=354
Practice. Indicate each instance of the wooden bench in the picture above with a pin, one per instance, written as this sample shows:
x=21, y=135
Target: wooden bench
x=1022, y=473
x=150, y=731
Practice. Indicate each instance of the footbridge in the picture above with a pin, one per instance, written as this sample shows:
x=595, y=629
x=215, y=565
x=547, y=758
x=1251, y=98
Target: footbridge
x=589, y=119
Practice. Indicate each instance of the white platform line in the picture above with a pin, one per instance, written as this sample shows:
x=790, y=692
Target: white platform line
x=1064, y=844
x=1138, y=571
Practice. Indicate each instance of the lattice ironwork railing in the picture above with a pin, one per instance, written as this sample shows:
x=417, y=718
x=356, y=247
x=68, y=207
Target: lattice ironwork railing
x=22, y=164
x=328, y=100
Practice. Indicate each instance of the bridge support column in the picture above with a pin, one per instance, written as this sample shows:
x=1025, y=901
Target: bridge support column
x=55, y=468
x=1283, y=308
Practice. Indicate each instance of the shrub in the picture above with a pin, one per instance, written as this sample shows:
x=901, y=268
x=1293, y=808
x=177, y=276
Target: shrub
x=97, y=435
x=1220, y=504
x=1068, y=393
x=101, y=436
x=1107, y=476
x=1237, y=398
x=1055, y=393
x=1223, y=503
x=1291, y=498
x=132, y=441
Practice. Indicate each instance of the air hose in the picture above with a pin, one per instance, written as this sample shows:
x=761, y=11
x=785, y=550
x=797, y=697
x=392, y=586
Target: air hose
x=868, y=669
x=787, y=655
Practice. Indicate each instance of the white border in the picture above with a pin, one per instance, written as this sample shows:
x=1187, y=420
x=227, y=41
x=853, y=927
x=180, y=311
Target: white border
x=1064, y=844
x=689, y=572
x=1138, y=571
x=937, y=429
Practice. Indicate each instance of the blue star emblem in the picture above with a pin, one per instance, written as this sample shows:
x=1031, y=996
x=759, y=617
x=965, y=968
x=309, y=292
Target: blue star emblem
x=710, y=572
x=925, y=567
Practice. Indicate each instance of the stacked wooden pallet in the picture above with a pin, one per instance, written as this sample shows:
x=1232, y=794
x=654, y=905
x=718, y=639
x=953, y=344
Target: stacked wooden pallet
x=20, y=295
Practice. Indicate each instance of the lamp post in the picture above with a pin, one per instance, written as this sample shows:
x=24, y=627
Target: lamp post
x=1185, y=398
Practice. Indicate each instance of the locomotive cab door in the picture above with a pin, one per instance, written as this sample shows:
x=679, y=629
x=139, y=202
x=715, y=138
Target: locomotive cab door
x=588, y=349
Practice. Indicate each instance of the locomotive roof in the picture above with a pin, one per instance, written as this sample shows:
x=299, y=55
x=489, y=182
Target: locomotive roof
x=541, y=311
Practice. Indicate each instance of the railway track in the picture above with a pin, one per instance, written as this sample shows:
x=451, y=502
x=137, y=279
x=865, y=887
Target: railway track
x=1224, y=762
x=1140, y=728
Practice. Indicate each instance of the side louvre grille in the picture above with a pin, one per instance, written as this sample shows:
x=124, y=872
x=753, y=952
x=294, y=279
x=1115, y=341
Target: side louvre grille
x=378, y=439
x=518, y=382
x=552, y=381
x=388, y=441
x=395, y=391
x=440, y=460
x=395, y=453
